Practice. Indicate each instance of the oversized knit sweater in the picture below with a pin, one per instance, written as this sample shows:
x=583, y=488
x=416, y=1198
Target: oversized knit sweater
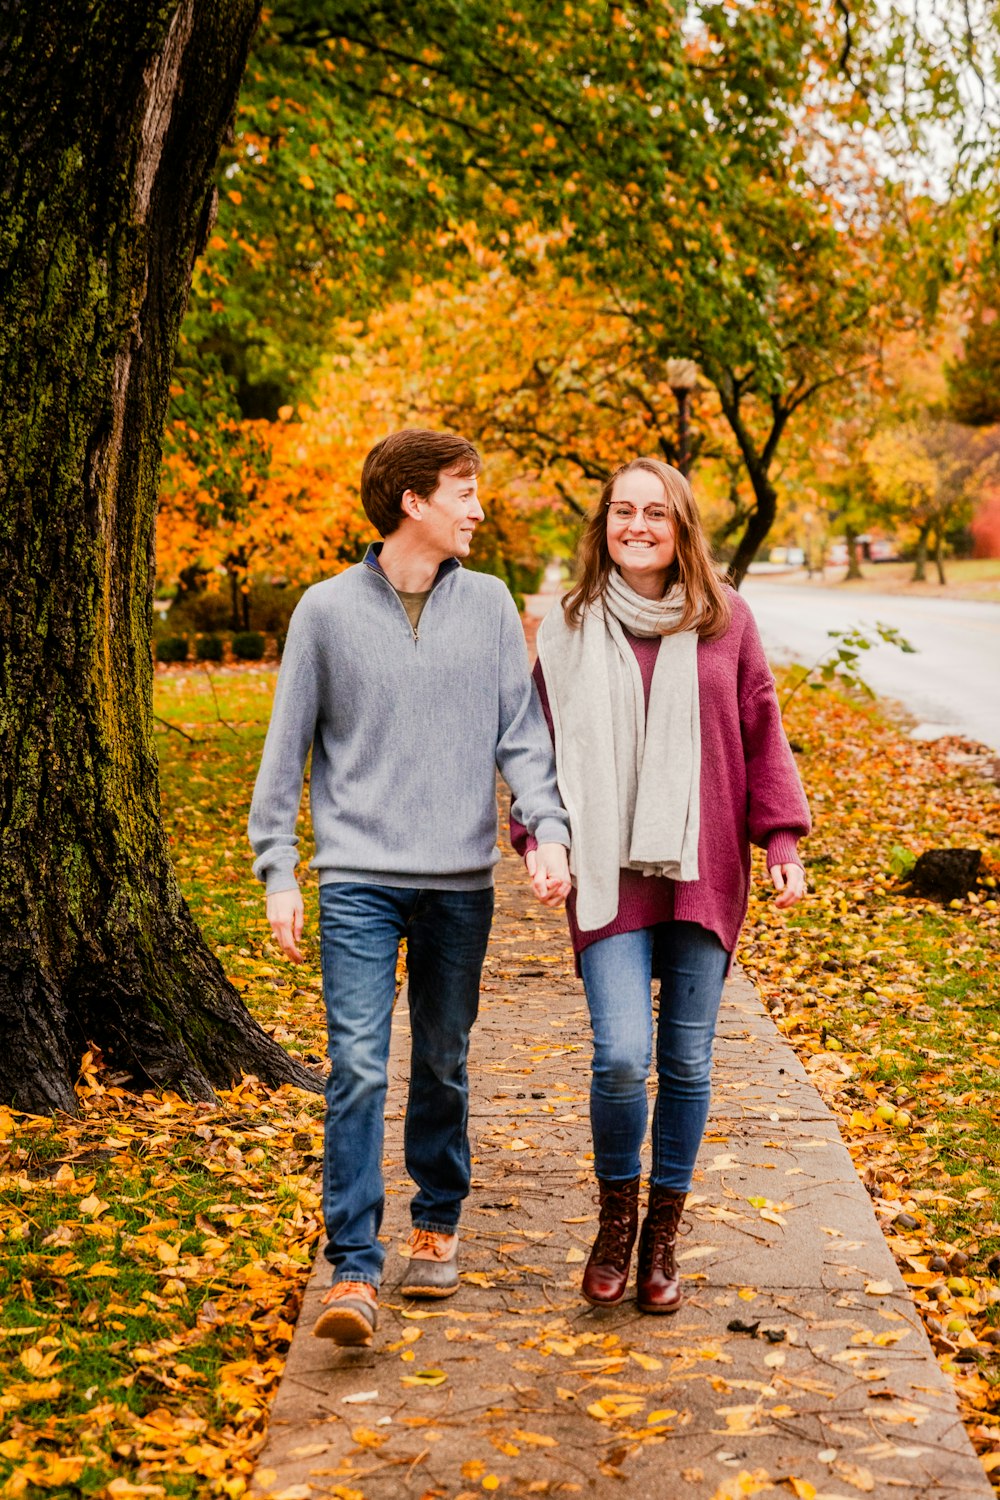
x=750, y=791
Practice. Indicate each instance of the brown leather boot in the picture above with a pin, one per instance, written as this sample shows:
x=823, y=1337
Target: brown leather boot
x=606, y=1272
x=658, y=1288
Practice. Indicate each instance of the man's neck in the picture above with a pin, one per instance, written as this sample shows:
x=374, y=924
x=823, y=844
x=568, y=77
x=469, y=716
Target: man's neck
x=407, y=566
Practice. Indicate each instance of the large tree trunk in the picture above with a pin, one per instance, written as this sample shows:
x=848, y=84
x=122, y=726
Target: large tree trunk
x=110, y=124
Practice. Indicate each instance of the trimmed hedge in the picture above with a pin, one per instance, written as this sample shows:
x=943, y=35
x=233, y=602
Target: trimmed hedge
x=172, y=648
x=248, y=645
x=209, y=648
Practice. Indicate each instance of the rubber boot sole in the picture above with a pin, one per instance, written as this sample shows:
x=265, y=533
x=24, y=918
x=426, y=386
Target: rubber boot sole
x=344, y=1325
x=418, y=1290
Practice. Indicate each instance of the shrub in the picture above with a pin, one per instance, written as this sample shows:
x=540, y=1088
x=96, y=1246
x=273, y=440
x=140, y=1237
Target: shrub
x=271, y=605
x=248, y=645
x=208, y=612
x=172, y=648
x=209, y=648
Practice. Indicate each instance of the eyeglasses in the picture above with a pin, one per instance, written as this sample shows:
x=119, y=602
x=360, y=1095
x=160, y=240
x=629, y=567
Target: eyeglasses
x=653, y=515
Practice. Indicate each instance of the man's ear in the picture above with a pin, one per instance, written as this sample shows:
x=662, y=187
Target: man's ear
x=411, y=503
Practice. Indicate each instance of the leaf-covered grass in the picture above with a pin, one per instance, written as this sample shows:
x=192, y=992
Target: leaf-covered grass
x=154, y=1251
x=893, y=1002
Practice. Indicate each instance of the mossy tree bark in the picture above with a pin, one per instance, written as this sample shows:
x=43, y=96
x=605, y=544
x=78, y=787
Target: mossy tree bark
x=110, y=123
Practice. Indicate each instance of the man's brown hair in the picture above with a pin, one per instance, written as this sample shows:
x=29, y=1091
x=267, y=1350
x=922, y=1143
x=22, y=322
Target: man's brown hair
x=413, y=459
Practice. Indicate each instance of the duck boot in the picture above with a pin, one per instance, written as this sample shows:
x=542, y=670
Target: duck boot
x=606, y=1272
x=658, y=1287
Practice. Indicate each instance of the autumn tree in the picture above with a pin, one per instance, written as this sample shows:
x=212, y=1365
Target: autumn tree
x=110, y=127
x=926, y=475
x=694, y=166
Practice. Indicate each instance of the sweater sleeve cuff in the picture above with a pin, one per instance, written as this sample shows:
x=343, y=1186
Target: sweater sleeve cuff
x=552, y=831
x=277, y=881
x=783, y=849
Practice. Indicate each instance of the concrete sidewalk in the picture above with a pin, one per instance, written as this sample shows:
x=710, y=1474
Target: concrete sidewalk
x=798, y=1361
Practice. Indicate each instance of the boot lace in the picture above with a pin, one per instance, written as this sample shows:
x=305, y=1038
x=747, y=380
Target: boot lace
x=614, y=1229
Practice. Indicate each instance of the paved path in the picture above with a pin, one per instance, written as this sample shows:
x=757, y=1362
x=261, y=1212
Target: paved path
x=530, y=1392
x=952, y=686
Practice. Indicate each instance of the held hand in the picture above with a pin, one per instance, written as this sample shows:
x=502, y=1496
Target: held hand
x=286, y=914
x=790, y=883
x=548, y=866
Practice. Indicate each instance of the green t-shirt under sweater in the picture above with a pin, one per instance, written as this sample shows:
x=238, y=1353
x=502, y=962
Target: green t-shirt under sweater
x=413, y=604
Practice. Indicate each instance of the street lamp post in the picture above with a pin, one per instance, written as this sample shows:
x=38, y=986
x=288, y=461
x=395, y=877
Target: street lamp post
x=682, y=377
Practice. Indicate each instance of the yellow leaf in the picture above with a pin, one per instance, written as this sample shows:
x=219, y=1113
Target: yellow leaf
x=234, y=196
x=425, y=1377
x=306, y=181
x=473, y=1468
x=478, y=1278
x=344, y=200
x=802, y=1488
x=878, y=1288
x=660, y=1416
x=92, y=1206
x=856, y=1474
x=167, y=1253
x=611, y=1408
x=365, y=1437
x=537, y=1439
x=574, y=1255
x=491, y=1482
x=645, y=1361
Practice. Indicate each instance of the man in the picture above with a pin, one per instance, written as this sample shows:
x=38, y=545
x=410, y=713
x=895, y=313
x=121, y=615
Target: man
x=407, y=676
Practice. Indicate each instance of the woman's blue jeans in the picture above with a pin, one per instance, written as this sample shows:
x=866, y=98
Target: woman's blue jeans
x=446, y=936
x=617, y=972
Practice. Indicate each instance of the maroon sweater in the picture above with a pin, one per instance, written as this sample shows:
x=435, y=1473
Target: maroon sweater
x=750, y=792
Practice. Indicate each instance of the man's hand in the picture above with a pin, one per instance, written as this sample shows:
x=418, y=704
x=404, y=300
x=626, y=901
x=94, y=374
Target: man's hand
x=287, y=916
x=790, y=883
x=548, y=866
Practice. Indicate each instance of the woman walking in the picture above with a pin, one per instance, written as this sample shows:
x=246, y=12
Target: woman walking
x=671, y=760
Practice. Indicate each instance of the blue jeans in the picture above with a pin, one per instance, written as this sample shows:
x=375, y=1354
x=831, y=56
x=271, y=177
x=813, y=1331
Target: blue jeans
x=617, y=972
x=360, y=930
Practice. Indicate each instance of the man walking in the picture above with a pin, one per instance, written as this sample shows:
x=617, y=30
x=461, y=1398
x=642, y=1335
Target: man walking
x=407, y=676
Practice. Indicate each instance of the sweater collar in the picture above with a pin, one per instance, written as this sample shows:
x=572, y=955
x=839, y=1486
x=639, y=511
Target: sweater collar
x=371, y=560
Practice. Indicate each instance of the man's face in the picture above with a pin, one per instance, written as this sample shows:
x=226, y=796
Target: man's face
x=451, y=514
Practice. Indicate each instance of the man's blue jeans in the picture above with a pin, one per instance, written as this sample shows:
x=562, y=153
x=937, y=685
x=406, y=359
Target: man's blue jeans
x=617, y=972
x=446, y=935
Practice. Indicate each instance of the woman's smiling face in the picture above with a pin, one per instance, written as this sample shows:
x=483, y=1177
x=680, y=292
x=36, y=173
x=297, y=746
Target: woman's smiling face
x=641, y=535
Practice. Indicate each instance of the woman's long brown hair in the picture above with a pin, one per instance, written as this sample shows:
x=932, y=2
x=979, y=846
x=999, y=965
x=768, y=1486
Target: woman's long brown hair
x=706, y=602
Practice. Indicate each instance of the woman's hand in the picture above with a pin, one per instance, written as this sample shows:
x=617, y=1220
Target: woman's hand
x=548, y=867
x=790, y=883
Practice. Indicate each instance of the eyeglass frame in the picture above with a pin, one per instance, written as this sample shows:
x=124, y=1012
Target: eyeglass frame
x=639, y=510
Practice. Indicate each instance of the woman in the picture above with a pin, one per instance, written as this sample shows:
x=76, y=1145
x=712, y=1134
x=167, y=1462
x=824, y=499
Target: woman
x=671, y=760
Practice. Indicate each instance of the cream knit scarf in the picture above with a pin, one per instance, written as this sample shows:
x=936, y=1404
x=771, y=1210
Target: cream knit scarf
x=629, y=780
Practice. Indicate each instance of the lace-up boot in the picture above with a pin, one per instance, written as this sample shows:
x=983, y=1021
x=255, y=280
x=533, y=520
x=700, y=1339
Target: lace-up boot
x=658, y=1288
x=606, y=1272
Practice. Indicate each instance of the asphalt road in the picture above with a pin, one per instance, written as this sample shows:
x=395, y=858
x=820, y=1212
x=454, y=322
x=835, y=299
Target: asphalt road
x=952, y=684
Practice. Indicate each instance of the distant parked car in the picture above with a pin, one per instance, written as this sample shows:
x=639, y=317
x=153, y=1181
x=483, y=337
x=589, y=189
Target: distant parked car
x=795, y=557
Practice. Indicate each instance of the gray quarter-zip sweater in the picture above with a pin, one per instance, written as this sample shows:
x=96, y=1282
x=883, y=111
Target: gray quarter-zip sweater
x=406, y=730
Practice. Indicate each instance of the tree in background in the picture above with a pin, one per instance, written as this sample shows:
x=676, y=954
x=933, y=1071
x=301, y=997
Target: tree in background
x=696, y=169
x=110, y=127
x=925, y=477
